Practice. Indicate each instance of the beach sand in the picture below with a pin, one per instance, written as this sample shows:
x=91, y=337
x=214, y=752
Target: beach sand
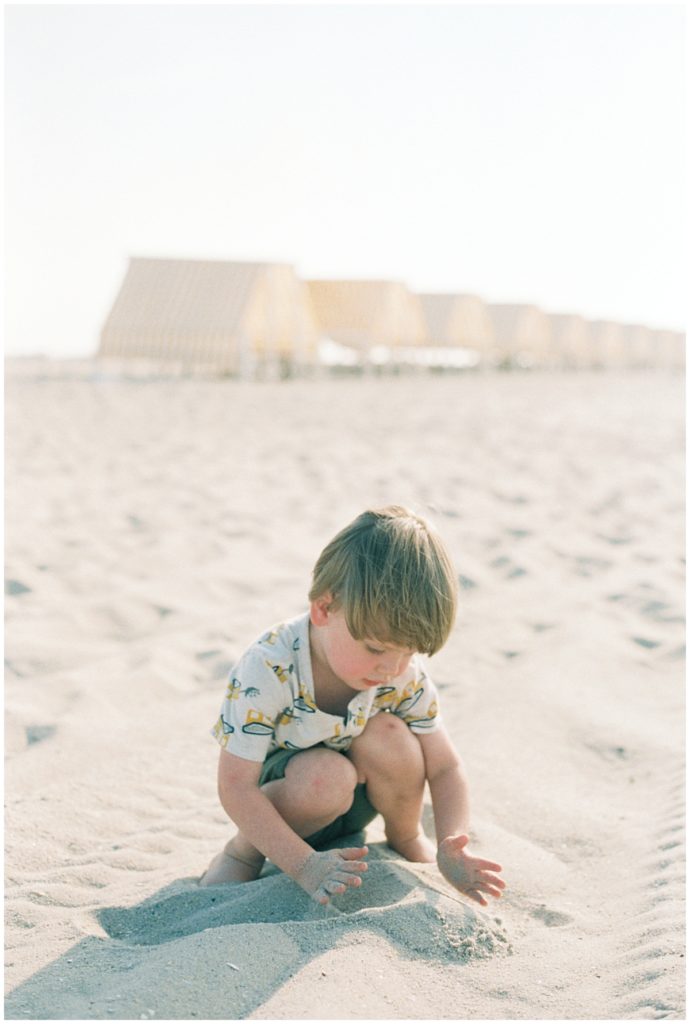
x=155, y=528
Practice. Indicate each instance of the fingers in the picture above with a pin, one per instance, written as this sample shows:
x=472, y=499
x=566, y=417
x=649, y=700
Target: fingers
x=352, y=866
x=353, y=881
x=349, y=859
x=354, y=852
x=492, y=880
x=335, y=886
x=331, y=873
x=475, y=895
x=489, y=883
x=486, y=865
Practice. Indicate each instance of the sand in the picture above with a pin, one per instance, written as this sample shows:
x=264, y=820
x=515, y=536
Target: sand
x=155, y=528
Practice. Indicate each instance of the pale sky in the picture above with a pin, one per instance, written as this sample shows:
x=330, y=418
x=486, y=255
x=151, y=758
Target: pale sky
x=522, y=153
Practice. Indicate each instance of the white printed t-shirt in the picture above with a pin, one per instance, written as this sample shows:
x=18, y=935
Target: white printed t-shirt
x=270, y=701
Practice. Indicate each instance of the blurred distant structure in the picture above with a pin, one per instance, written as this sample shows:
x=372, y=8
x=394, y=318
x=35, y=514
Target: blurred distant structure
x=608, y=343
x=521, y=336
x=571, y=344
x=257, y=320
x=639, y=344
x=368, y=316
x=669, y=350
x=215, y=316
x=458, y=321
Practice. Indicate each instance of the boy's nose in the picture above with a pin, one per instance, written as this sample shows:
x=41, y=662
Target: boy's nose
x=392, y=667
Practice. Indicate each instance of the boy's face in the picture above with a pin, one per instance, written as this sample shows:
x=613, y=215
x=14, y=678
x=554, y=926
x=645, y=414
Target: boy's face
x=360, y=664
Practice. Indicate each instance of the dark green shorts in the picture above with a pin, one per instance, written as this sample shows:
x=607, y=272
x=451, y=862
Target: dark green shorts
x=356, y=819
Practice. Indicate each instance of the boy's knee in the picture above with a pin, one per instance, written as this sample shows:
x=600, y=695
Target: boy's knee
x=388, y=743
x=326, y=783
x=388, y=728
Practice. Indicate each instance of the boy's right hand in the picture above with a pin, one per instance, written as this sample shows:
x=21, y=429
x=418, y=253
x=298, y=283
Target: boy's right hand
x=329, y=873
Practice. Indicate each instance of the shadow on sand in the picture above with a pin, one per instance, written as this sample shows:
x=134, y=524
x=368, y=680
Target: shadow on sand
x=221, y=952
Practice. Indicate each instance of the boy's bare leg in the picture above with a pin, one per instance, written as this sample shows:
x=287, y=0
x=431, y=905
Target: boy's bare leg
x=317, y=788
x=388, y=757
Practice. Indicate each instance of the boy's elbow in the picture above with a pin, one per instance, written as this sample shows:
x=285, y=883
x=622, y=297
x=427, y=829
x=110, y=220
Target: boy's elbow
x=236, y=779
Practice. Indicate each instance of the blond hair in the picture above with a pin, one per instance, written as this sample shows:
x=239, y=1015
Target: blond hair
x=392, y=576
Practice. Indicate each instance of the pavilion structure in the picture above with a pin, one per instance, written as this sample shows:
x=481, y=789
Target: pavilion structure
x=371, y=317
x=236, y=318
x=521, y=336
x=459, y=321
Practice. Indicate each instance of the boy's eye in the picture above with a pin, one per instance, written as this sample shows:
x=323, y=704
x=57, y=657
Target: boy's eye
x=374, y=650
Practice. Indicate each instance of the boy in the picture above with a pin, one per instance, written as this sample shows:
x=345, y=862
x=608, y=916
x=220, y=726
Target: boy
x=331, y=718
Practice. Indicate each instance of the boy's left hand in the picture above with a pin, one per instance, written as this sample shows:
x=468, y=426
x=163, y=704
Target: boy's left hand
x=470, y=875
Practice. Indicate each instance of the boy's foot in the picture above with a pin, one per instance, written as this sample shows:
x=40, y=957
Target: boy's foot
x=418, y=848
x=227, y=866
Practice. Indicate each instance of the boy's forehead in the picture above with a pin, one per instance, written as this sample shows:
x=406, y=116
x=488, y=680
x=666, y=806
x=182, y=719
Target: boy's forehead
x=391, y=645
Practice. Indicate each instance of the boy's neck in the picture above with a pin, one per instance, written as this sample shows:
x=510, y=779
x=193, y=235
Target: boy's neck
x=330, y=692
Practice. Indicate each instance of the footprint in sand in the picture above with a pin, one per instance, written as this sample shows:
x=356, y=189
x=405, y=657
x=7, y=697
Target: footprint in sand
x=657, y=912
x=466, y=583
x=609, y=752
x=651, y=606
x=511, y=499
x=513, y=571
x=587, y=566
x=39, y=733
x=648, y=644
x=551, y=918
x=13, y=588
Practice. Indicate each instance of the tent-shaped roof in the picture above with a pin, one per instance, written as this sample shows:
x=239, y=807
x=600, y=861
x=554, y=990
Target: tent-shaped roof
x=608, y=344
x=460, y=320
x=669, y=349
x=438, y=313
x=639, y=342
x=521, y=333
x=365, y=313
x=571, y=340
x=216, y=313
x=183, y=295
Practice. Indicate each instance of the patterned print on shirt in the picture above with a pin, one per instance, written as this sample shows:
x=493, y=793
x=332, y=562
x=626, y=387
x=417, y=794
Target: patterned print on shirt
x=258, y=724
x=235, y=689
x=282, y=672
x=305, y=701
x=222, y=731
x=424, y=723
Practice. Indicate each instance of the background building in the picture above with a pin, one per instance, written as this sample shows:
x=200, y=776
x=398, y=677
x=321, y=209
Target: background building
x=460, y=321
x=244, y=319
x=570, y=346
x=521, y=336
x=368, y=315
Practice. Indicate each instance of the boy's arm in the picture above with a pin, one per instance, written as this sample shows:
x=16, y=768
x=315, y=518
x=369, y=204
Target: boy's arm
x=320, y=874
x=450, y=800
x=445, y=772
x=254, y=814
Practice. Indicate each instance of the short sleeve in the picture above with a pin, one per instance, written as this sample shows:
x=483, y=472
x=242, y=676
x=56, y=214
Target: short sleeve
x=254, y=700
x=417, y=703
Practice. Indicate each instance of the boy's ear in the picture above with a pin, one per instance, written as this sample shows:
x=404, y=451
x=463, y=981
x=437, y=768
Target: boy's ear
x=320, y=609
